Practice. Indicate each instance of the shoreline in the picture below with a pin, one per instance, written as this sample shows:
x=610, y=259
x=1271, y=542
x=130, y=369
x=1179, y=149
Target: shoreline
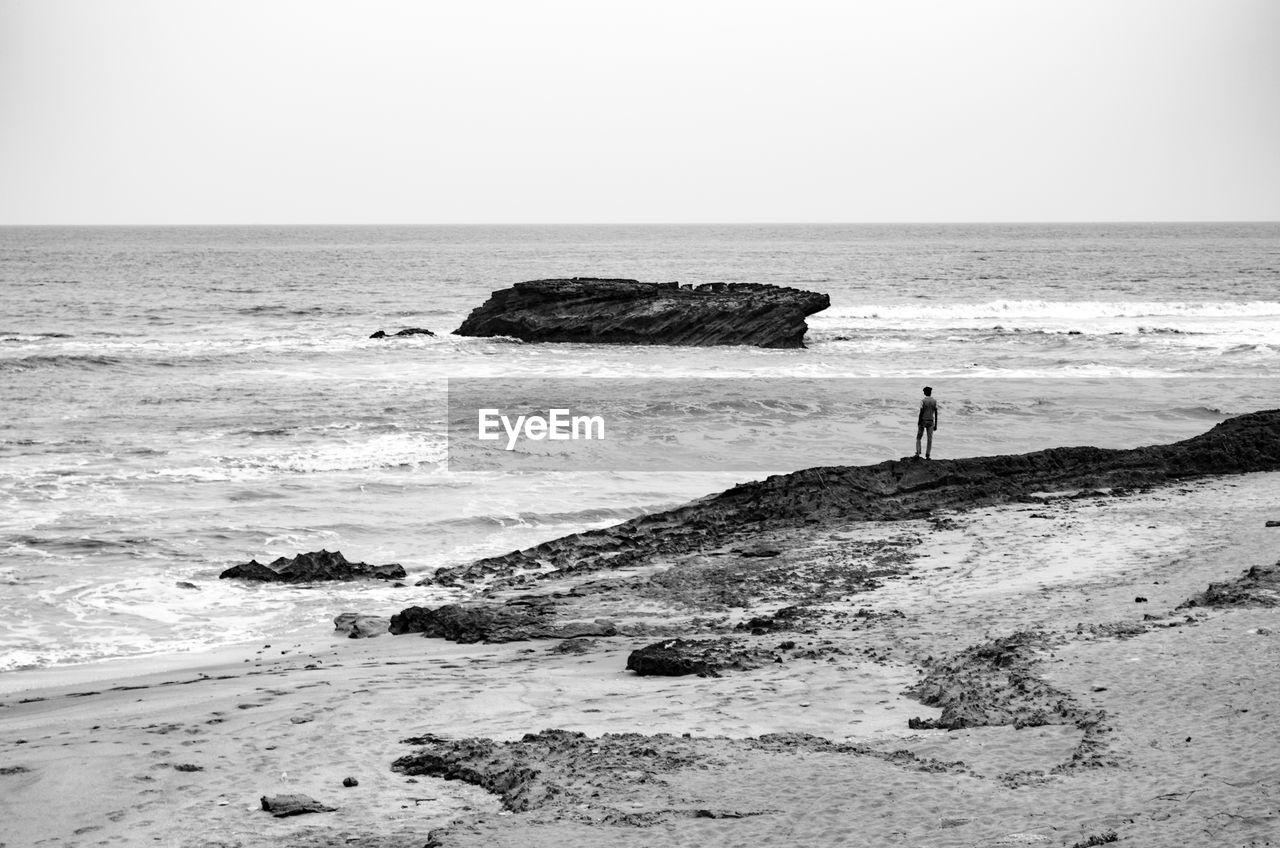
x=184, y=759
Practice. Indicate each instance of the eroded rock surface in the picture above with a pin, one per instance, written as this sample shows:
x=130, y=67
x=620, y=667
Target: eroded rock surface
x=1257, y=587
x=703, y=657
x=281, y=806
x=617, y=778
x=515, y=621
x=313, y=566
x=612, y=311
x=358, y=625
x=897, y=489
x=993, y=684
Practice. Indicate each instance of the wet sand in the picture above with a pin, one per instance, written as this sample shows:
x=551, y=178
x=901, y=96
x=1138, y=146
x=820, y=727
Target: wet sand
x=1155, y=724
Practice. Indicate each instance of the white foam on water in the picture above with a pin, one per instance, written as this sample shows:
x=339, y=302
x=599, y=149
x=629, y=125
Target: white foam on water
x=391, y=450
x=904, y=315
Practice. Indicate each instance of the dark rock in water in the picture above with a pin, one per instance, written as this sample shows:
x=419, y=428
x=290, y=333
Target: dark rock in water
x=183, y=584
x=703, y=657
x=600, y=311
x=1257, y=587
x=309, y=567
x=511, y=622
x=408, y=331
x=293, y=805
x=1273, y=523
x=358, y=625
x=350, y=782
x=887, y=491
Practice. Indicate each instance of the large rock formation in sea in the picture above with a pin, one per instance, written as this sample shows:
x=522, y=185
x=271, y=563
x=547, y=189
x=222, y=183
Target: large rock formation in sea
x=310, y=567
x=897, y=489
x=604, y=311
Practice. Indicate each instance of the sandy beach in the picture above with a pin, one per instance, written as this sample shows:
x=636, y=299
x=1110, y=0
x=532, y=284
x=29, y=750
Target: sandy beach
x=1153, y=725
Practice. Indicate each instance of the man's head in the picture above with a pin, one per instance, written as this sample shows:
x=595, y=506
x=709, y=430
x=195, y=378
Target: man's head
x=928, y=390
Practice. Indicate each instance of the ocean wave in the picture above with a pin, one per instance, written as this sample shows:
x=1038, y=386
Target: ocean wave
x=1054, y=310
x=83, y=361
x=283, y=309
x=402, y=450
x=575, y=518
x=23, y=336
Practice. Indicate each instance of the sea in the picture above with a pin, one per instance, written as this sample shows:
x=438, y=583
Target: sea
x=181, y=399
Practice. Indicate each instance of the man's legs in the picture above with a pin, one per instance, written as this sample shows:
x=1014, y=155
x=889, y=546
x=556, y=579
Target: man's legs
x=928, y=445
x=919, y=435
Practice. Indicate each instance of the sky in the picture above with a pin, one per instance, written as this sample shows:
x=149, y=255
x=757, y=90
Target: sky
x=561, y=111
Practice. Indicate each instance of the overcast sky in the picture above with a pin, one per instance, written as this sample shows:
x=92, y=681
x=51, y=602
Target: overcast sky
x=319, y=111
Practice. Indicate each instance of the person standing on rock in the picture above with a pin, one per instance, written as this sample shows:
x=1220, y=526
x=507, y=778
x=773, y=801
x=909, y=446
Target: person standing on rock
x=927, y=422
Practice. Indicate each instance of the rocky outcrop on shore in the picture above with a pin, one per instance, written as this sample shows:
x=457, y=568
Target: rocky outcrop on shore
x=359, y=625
x=994, y=684
x=312, y=567
x=898, y=489
x=515, y=621
x=610, y=311
x=616, y=778
x=1257, y=587
x=703, y=657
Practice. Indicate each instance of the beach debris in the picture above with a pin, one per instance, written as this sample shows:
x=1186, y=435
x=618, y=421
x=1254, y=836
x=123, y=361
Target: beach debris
x=350, y=782
x=293, y=805
x=1257, y=587
x=301, y=719
x=408, y=331
x=359, y=625
x=310, y=567
x=703, y=657
x=617, y=311
x=14, y=769
x=1139, y=600
x=187, y=767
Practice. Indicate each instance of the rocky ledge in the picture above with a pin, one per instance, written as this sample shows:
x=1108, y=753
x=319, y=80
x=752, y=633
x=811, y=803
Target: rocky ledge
x=606, y=311
x=897, y=489
x=311, y=567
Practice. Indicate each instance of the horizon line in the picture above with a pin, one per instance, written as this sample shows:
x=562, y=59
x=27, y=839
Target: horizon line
x=1070, y=222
